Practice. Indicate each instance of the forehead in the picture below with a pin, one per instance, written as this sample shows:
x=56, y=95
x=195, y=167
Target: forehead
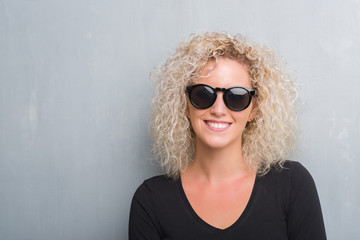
x=225, y=73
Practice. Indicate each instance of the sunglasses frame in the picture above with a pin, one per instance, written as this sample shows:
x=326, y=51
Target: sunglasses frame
x=251, y=93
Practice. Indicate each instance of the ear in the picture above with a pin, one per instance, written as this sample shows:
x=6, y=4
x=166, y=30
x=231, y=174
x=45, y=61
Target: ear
x=251, y=118
x=252, y=115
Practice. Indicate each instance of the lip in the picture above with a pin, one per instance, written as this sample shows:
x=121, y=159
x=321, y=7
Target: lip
x=219, y=122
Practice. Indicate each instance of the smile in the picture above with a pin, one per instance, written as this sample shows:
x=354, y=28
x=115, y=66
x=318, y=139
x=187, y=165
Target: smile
x=217, y=125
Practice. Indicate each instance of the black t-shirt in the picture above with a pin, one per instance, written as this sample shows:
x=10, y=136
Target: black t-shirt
x=284, y=204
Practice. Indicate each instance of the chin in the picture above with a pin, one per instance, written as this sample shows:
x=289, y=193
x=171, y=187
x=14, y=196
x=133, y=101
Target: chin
x=218, y=143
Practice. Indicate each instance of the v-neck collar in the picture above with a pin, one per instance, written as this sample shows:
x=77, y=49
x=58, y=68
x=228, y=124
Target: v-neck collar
x=200, y=221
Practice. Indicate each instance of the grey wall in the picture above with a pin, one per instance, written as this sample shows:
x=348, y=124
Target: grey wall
x=75, y=92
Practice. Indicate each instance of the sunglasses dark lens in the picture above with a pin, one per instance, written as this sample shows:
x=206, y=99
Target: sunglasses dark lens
x=202, y=96
x=237, y=98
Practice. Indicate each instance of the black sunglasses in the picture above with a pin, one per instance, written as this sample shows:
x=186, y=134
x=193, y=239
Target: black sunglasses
x=203, y=96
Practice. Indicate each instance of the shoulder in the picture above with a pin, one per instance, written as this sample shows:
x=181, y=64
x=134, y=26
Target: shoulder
x=294, y=182
x=289, y=180
x=158, y=182
x=144, y=212
x=297, y=173
x=155, y=197
x=294, y=166
x=299, y=177
x=291, y=170
x=155, y=186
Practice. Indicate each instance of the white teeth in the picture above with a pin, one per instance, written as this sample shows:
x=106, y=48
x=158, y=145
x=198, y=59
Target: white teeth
x=217, y=125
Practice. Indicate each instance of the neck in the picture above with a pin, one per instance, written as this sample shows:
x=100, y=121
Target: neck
x=219, y=165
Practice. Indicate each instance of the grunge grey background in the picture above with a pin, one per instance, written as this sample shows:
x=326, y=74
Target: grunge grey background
x=75, y=96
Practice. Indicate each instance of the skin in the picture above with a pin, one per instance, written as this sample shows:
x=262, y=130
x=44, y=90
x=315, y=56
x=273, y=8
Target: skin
x=218, y=183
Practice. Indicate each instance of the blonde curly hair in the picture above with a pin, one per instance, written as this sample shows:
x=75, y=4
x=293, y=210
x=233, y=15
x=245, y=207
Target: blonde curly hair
x=267, y=140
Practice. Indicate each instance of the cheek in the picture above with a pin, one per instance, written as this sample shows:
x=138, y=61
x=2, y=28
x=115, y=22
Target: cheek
x=195, y=118
x=242, y=118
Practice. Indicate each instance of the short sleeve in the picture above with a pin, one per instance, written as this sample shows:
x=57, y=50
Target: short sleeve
x=304, y=216
x=143, y=222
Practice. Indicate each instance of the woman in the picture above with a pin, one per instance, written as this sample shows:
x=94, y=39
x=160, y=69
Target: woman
x=223, y=124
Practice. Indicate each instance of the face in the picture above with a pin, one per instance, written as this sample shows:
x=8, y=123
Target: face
x=218, y=126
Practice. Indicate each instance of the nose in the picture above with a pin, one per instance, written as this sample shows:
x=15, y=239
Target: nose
x=219, y=108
